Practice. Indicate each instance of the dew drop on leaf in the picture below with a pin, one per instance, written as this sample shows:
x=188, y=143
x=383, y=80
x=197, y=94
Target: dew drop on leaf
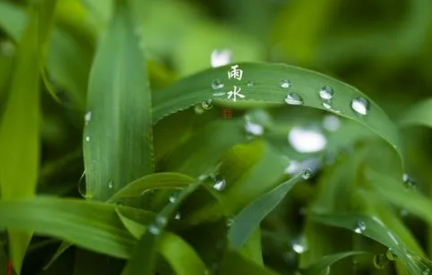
x=110, y=184
x=207, y=104
x=306, y=173
x=153, y=229
x=220, y=57
x=294, y=99
x=285, y=84
x=219, y=183
x=217, y=84
x=250, y=84
x=87, y=138
x=326, y=92
x=360, y=228
x=380, y=261
x=391, y=255
x=87, y=117
x=409, y=184
x=253, y=129
x=360, y=105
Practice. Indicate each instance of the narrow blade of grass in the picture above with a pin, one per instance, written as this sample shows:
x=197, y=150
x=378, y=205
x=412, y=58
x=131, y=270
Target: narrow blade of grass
x=118, y=134
x=321, y=267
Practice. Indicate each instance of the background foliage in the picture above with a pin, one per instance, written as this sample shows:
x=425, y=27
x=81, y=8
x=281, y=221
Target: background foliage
x=115, y=157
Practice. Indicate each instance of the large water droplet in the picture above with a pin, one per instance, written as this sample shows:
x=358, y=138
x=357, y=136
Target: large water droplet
x=409, y=184
x=331, y=123
x=360, y=228
x=360, y=105
x=110, y=184
x=285, y=84
x=391, y=255
x=220, y=57
x=87, y=117
x=306, y=173
x=380, y=261
x=306, y=140
x=253, y=129
x=207, y=105
x=217, y=84
x=294, y=99
x=326, y=92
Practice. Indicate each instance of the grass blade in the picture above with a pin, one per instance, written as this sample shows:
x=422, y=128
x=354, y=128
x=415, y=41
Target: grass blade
x=91, y=225
x=266, y=89
x=142, y=260
x=251, y=216
x=178, y=253
x=321, y=267
x=118, y=136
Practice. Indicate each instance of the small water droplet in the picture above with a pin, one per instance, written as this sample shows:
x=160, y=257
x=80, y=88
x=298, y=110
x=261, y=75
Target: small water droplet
x=250, y=84
x=298, y=248
x=326, y=93
x=178, y=216
x=110, y=184
x=409, y=184
x=153, y=229
x=361, y=227
x=207, y=105
x=87, y=117
x=299, y=245
x=161, y=221
x=198, y=109
x=219, y=183
x=360, y=105
x=294, y=99
x=173, y=198
x=327, y=105
x=285, y=84
x=220, y=57
x=391, y=255
x=306, y=173
x=87, y=138
x=253, y=129
x=217, y=84
x=380, y=261
x=306, y=140
x=331, y=123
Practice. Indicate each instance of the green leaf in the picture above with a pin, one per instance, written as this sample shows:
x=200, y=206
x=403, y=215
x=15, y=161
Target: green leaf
x=153, y=181
x=91, y=225
x=234, y=263
x=420, y=114
x=142, y=260
x=375, y=229
x=118, y=136
x=251, y=216
x=178, y=253
x=266, y=88
x=19, y=127
x=321, y=267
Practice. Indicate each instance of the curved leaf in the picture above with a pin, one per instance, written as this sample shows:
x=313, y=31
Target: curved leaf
x=261, y=83
x=153, y=181
x=118, y=137
x=91, y=225
x=251, y=216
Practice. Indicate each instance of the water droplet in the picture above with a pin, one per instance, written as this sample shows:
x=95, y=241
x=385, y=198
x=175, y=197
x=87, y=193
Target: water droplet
x=229, y=223
x=198, y=109
x=217, y=84
x=306, y=140
x=326, y=92
x=294, y=99
x=153, y=229
x=87, y=117
x=327, y=105
x=380, y=261
x=173, y=198
x=178, y=216
x=360, y=105
x=299, y=245
x=207, y=105
x=110, y=184
x=331, y=123
x=253, y=129
x=220, y=57
x=361, y=227
x=285, y=84
x=391, y=255
x=306, y=173
x=409, y=184
x=87, y=138
x=219, y=183
x=250, y=83
x=298, y=248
